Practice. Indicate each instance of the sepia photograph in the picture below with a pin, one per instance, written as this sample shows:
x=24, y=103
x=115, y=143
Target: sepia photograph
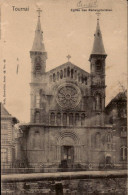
x=63, y=97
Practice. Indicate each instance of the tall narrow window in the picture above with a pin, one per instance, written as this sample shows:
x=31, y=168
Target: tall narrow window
x=77, y=119
x=54, y=77
x=61, y=74
x=37, y=117
x=68, y=71
x=75, y=74
x=82, y=119
x=72, y=73
x=58, y=120
x=98, y=102
x=64, y=119
x=70, y=119
x=52, y=118
x=58, y=75
x=37, y=100
x=65, y=72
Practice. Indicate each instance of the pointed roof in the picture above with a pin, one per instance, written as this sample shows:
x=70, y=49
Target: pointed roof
x=38, y=44
x=98, y=46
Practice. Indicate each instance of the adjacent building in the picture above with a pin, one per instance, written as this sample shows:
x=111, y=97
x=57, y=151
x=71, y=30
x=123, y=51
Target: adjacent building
x=116, y=112
x=7, y=138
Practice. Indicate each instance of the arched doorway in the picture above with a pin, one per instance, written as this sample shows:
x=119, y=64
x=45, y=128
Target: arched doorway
x=67, y=152
x=67, y=156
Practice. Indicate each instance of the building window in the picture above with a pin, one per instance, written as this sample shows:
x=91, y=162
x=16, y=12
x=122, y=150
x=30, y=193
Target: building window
x=98, y=65
x=64, y=119
x=109, y=137
x=65, y=72
x=77, y=119
x=108, y=160
x=37, y=139
x=72, y=73
x=68, y=71
x=61, y=74
x=58, y=75
x=37, y=117
x=82, y=119
x=58, y=120
x=70, y=119
x=98, y=104
x=4, y=138
x=37, y=100
x=123, y=151
x=75, y=74
x=54, y=77
x=52, y=118
x=4, y=155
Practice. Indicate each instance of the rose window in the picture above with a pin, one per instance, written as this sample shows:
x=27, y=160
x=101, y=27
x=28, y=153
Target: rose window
x=68, y=96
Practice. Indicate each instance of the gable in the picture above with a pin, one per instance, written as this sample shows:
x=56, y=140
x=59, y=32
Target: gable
x=4, y=111
x=71, y=66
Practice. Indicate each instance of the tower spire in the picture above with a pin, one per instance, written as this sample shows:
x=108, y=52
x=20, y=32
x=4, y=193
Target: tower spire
x=38, y=44
x=98, y=46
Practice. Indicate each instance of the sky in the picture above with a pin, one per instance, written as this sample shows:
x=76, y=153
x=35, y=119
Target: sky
x=65, y=32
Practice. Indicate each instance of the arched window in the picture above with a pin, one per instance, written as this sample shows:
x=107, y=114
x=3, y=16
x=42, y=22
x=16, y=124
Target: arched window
x=98, y=102
x=72, y=72
x=37, y=100
x=58, y=119
x=64, y=119
x=98, y=65
x=61, y=74
x=77, y=119
x=58, y=75
x=85, y=80
x=82, y=79
x=65, y=72
x=37, y=117
x=52, y=118
x=109, y=136
x=37, y=141
x=70, y=119
x=108, y=160
x=75, y=74
x=82, y=119
x=68, y=71
x=54, y=77
x=97, y=140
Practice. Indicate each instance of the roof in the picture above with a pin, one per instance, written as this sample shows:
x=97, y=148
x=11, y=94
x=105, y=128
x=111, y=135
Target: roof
x=98, y=46
x=120, y=97
x=38, y=44
x=4, y=112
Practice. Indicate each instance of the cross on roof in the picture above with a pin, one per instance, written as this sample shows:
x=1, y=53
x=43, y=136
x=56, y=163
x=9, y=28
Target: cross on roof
x=68, y=56
x=39, y=10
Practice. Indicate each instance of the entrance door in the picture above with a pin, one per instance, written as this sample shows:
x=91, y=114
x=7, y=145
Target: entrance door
x=67, y=156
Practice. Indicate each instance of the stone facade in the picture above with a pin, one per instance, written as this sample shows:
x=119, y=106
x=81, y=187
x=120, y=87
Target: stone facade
x=67, y=127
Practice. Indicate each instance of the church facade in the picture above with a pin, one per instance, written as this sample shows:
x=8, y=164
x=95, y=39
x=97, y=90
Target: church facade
x=67, y=127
